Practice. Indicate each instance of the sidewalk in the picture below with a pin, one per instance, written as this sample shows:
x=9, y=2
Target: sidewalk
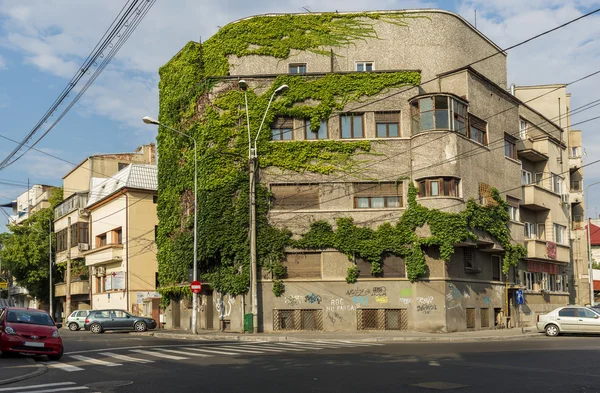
x=389, y=336
x=19, y=368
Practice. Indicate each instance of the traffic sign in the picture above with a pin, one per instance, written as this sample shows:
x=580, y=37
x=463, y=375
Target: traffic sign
x=195, y=286
x=519, y=295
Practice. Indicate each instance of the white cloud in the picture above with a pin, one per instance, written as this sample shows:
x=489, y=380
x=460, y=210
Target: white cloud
x=2, y=63
x=40, y=166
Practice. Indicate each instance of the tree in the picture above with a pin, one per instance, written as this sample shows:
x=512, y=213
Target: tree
x=24, y=250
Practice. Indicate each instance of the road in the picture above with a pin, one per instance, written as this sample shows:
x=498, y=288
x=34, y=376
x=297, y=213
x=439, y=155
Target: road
x=127, y=362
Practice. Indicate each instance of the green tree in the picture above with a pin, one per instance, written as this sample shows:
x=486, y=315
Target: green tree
x=24, y=250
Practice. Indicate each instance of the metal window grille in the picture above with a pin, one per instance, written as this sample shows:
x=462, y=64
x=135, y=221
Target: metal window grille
x=382, y=319
x=485, y=317
x=297, y=320
x=470, y=318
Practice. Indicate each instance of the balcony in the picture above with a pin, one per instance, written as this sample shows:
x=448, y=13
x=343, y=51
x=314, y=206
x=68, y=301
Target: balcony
x=104, y=254
x=72, y=203
x=16, y=290
x=538, y=198
x=575, y=196
x=575, y=162
x=539, y=249
x=532, y=151
x=77, y=288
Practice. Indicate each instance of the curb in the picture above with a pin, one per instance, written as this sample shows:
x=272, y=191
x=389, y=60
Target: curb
x=41, y=369
x=358, y=340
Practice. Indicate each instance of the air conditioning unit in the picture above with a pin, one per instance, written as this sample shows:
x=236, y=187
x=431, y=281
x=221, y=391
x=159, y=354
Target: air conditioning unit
x=83, y=246
x=565, y=198
x=84, y=212
x=101, y=271
x=94, y=271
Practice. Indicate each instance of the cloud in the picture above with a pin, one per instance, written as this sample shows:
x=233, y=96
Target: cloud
x=43, y=168
x=2, y=63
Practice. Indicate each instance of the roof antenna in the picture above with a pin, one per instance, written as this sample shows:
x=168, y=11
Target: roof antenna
x=306, y=9
x=475, y=18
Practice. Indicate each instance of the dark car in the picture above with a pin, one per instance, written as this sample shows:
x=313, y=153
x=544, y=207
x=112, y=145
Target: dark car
x=31, y=331
x=99, y=321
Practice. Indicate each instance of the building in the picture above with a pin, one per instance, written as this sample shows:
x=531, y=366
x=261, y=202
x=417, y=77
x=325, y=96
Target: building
x=72, y=221
x=122, y=254
x=436, y=130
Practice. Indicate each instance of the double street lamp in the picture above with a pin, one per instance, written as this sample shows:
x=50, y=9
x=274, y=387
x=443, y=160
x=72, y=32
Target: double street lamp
x=149, y=120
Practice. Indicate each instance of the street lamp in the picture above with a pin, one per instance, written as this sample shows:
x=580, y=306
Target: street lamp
x=149, y=120
x=50, y=263
x=253, y=159
x=589, y=230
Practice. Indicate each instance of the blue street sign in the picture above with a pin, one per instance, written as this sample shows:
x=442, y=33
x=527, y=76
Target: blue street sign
x=519, y=295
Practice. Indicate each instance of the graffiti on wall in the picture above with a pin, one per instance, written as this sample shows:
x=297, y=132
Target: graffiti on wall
x=334, y=317
x=340, y=305
x=425, y=305
x=312, y=298
x=379, y=291
x=360, y=301
x=293, y=300
x=358, y=292
x=224, y=307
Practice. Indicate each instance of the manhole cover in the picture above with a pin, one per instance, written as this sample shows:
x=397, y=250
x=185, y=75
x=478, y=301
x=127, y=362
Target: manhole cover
x=108, y=384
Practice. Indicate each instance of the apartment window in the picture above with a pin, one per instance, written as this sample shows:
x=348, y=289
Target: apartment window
x=295, y=196
x=496, y=267
x=352, y=126
x=438, y=112
x=575, y=151
x=559, y=233
x=79, y=233
x=541, y=231
x=122, y=165
x=557, y=182
x=282, y=127
x=303, y=265
x=478, y=130
x=387, y=124
x=526, y=177
x=362, y=66
x=297, y=68
x=443, y=186
x=510, y=149
x=576, y=185
x=154, y=198
x=117, y=236
x=513, y=208
x=522, y=129
x=99, y=284
x=61, y=240
x=101, y=240
x=539, y=178
x=529, y=230
x=393, y=266
x=529, y=281
x=377, y=195
x=321, y=133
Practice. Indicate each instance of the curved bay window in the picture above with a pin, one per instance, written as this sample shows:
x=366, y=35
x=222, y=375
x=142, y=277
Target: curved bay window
x=438, y=113
x=438, y=186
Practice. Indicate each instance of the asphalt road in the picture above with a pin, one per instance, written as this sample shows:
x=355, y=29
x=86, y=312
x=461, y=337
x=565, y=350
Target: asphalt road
x=127, y=362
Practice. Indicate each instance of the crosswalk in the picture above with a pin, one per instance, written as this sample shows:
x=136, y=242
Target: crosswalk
x=48, y=388
x=145, y=355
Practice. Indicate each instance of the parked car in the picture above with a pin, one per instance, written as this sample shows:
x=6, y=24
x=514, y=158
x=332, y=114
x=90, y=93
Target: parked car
x=76, y=320
x=569, y=319
x=31, y=331
x=99, y=321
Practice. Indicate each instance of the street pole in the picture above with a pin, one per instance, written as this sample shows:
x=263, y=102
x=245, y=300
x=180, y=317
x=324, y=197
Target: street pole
x=149, y=120
x=68, y=272
x=589, y=236
x=50, y=263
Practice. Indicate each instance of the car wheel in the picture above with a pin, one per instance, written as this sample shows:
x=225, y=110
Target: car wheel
x=73, y=326
x=96, y=328
x=57, y=356
x=552, y=330
x=140, y=326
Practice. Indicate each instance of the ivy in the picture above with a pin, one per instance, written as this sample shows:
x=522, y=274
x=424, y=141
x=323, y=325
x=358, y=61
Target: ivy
x=173, y=292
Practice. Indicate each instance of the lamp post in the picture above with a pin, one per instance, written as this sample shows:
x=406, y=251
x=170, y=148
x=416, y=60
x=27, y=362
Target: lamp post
x=589, y=230
x=149, y=120
x=253, y=160
x=50, y=263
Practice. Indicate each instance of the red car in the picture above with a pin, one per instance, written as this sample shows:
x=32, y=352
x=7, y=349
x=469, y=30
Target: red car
x=31, y=331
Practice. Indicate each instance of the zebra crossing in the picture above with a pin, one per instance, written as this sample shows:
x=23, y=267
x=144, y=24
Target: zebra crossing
x=146, y=355
x=48, y=388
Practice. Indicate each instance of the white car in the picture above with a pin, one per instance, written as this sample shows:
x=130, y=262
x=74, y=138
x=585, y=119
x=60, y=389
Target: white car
x=569, y=319
x=76, y=320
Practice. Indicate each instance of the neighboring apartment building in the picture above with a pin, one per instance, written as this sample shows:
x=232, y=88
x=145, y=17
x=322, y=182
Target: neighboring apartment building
x=72, y=220
x=122, y=255
x=454, y=139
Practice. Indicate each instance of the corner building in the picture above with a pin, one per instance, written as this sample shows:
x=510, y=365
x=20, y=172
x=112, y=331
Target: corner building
x=455, y=137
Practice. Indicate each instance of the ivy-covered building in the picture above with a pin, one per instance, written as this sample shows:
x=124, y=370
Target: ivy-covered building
x=389, y=176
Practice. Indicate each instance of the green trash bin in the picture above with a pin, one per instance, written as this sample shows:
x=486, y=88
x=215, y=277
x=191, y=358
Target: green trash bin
x=248, y=323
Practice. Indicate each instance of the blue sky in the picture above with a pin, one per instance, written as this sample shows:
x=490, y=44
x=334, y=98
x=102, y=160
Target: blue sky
x=42, y=44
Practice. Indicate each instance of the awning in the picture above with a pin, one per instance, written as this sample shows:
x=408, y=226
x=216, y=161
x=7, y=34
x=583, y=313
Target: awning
x=596, y=285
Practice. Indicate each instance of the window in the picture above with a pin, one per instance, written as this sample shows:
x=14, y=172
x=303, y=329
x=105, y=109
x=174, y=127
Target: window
x=568, y=312
x=377, y=195
x=496, y=267
x=154, y=198
x=362, y=66
x=321, y=133
x=352, y=126
x=513, y=208
x=444, y=186
x=117, y=236
x=541, y=231
x=557, y=182
x=539, y=179
x=297, y=68
x=576, y=185
x=387, y=124
x=478, y=130
x=587, y=313
x=101, y=240
x=510, y=149
x=303, y=265
x=79, y=233
x=559, y=234
x=295, y=196
x=529, y=281
x=439, y=112
x=522, y=129
x=393, y=266
x=575, y=151
x=282, y=129
x=61, y=240
x=122, y=165
x=529, y=230
x=526, y=177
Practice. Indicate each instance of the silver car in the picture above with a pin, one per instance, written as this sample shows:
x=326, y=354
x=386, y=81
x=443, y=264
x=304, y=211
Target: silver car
x=569, y=319
x=76, y=320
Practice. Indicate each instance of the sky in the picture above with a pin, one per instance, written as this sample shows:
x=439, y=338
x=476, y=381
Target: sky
x=42, y=44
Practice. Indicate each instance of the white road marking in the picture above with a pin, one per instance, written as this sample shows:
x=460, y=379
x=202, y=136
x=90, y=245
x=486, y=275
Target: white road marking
x=299, y=345
x=188, y=353
x=125, y=358
x=159, y=354
x=255, y=347
x=214, y=351
x=274, y=346
x=46, y=385
x=95, y=361
x=323, y=344
x=65, y=367
x=52, y=390
x=240, y=349
x=366, y=344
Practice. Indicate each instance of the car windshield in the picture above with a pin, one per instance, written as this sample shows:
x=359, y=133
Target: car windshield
x=29, y=317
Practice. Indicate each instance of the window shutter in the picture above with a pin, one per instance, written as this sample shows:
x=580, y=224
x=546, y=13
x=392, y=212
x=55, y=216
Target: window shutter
x=283, y=122
x=303, y=265
x=393, y=266
x=296, y=196
x=514, y=202
x=378, y=189
x=477, y=123
x=387, y=117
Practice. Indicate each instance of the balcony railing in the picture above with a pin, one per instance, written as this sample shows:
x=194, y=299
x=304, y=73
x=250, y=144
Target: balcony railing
x=538, y=198
x=104, y=254
x=541, y=249
x=74, y=202
x=77, y=288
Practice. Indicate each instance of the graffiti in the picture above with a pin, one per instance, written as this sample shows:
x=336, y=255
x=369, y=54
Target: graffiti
x=449, y=297
x=312, y=298
x=345, y=307
x=466, y=295
x=406, y=292
x=426, y=308
x=360, y=300
x=381, y=299
x=334, y=317
x=456, y=293
x=425, y=300
x=224, y=309
x=358, y=292
x=337, y=302
x=487, y=300
x=293, y=300
x=379, y=291
x=405, y=300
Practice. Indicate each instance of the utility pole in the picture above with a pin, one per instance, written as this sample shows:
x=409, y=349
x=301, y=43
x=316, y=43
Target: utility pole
x=68, y=272
x=50, y=300
x=252, y=168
